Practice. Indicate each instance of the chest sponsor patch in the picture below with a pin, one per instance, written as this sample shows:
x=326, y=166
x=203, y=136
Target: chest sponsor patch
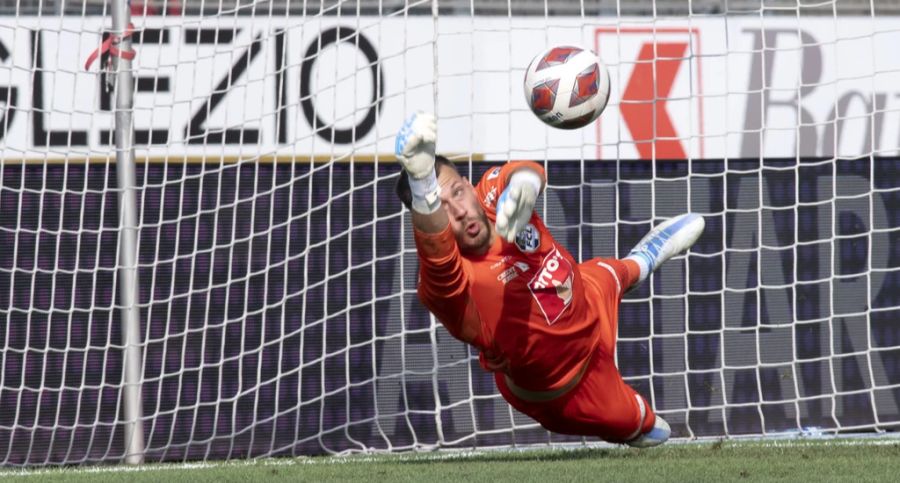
x=529, y=239
x=507, y=275
x=552, y=285
x=513, y=271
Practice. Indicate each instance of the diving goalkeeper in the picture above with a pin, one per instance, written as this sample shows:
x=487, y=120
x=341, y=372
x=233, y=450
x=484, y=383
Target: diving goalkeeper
x=545, y=325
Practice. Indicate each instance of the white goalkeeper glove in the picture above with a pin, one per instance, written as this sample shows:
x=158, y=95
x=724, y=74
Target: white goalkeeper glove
x=516, y=204
x=414, y=147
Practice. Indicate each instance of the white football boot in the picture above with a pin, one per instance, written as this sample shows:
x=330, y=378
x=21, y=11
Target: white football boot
x=657, y=435
x=665, y=241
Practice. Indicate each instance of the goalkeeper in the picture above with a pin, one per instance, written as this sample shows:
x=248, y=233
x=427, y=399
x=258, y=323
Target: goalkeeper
x=545, y=325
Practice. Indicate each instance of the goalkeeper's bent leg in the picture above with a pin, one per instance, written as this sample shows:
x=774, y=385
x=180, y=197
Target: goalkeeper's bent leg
x=601, y=405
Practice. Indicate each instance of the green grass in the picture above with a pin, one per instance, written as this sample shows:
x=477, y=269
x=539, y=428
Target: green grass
x=781, y=460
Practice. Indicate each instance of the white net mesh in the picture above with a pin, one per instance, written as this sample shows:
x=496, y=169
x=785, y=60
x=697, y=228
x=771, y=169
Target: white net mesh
x=277, y=271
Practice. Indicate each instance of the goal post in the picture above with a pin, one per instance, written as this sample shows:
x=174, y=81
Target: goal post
x=276, y=310
x=120, y=54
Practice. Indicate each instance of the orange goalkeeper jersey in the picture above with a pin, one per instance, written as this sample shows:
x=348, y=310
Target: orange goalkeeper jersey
x=524, y=305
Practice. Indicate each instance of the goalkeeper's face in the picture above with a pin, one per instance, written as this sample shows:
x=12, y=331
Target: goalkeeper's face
x=468, y=220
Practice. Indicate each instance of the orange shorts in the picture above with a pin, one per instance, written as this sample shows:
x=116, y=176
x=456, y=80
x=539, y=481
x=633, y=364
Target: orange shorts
x=601, y=404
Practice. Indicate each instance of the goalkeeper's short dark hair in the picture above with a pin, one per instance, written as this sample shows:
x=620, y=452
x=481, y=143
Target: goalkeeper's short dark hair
x=402, y=189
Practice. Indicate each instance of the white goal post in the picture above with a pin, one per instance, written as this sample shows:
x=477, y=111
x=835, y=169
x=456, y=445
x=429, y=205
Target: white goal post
x=277, y=312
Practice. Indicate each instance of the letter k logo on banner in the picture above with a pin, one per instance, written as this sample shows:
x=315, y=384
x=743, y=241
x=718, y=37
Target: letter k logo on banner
x=660, y=100
x=644, y=100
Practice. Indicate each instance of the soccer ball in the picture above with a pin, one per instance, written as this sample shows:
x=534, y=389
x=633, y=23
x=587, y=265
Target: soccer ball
x=567, y=87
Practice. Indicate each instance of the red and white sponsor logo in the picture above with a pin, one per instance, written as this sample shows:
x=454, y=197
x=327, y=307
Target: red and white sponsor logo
x=660, y=103
x=552, y=285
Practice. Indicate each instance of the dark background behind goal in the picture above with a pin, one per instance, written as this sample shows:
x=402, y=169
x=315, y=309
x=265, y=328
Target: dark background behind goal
x=279, y=313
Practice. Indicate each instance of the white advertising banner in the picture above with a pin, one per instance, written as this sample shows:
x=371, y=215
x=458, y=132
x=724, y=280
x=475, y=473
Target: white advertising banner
x=327, y=87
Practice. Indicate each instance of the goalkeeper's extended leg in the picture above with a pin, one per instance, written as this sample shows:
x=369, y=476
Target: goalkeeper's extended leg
x=665, y=241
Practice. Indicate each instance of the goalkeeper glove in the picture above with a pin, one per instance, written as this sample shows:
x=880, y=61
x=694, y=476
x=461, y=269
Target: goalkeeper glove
x=516, y=204
x=414, y=147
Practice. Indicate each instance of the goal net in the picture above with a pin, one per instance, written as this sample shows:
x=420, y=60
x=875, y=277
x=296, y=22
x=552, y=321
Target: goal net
x=276, y=268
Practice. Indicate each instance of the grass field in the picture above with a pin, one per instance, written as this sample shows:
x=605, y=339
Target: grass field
x=853, y=460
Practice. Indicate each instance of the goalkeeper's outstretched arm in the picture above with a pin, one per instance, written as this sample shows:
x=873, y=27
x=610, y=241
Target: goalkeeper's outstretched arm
x=443, y=280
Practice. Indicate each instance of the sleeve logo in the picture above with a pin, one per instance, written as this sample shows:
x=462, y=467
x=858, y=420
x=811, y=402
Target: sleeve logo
x=491, y=197
x=529, y=239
